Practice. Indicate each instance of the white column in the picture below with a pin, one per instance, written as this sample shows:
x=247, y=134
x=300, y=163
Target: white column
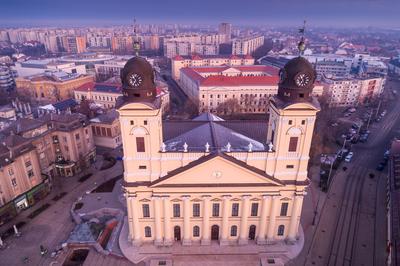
x=295, y=218
x=225, y=221
x=137, y=236
x=167, y=223
x=266, y=202
x=272, y=219
x=157, y=218
x=130, y=216
x=186, y=221
x=244, y=234
x=206, y=221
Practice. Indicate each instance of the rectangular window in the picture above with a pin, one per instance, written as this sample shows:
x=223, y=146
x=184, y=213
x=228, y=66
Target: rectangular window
x=30, y=173
x=235, y=209
x=145, y=122
x=254, y=209
x=108, y=132
x=290, y=166
x=14, y=182
x=290, y=122
x=103, y=131
x=293, y=144
x=98, y=133
x=28, y=163
x=177, y=210
x=284, y=208
x=215, y=210
x=140, y=144
x=132, y=123
x=77, y=136
x=146, y=210
x=93, y=130
x=196, y=209
x=142, y=167
x=303, y=122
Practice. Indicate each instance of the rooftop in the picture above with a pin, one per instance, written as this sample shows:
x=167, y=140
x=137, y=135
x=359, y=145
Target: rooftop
x=215, y=131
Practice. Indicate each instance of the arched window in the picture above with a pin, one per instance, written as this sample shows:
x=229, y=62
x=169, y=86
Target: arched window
x=196, y=231
x=234, y=230
x=281, y=230
x=147, y=231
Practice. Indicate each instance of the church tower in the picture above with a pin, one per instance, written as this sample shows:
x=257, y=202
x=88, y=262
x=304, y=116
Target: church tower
x=292, y=118
x=140, y=119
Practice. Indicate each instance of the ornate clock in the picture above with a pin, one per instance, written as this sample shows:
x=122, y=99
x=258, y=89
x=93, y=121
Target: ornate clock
x=302, y=79
x=135, y=80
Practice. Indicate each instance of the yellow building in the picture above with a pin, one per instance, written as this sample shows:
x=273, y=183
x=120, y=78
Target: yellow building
x=106, y=130
x=50, y=87
x=204, y=181
x=19, y=172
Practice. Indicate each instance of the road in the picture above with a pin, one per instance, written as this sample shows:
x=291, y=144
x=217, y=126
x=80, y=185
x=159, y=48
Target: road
x=178, y=97
x=350, y=226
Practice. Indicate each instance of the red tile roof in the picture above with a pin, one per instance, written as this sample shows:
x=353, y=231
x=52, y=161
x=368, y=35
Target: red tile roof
x=178, y=58
x=101, y=87
x=240, y=81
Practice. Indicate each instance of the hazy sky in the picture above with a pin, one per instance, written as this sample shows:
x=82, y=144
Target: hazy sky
x=270, y=12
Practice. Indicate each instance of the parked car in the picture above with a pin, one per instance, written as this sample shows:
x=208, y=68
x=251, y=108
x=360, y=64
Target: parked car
x=352, y=110
x=349, y=157
x=380, y=167
x=378, y=119
x=347, y=114
x=334, y=124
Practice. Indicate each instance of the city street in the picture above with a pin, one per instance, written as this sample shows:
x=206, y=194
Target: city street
x=350, y=225
x=51, y=227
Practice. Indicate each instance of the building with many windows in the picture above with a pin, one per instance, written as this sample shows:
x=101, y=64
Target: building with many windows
x=243, y=88
x=106, y=130
x=213, y=182
x=178, y=62
x=352, y=91
x=243, y=46
x=50, y=87
x=106, y=94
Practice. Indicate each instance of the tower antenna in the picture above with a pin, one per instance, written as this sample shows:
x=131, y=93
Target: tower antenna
x=302, y=45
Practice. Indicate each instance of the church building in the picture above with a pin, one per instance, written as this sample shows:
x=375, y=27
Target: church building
x=210, y=181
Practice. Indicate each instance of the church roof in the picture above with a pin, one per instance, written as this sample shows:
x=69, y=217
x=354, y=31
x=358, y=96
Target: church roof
x=211, y=129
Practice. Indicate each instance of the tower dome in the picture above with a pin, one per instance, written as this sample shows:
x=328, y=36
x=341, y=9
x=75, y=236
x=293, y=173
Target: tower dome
x=137, y=78
x=296, y=80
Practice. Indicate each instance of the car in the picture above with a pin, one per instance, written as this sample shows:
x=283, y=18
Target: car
x=378, y=119
x=352, y=131
x=352, y=110
x=380, y=167
x=334, y=124
x=349, y=157
x=354, y=126
x=347, y=114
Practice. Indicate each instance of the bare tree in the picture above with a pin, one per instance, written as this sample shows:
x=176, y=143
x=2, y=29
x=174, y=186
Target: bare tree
x=228, y=107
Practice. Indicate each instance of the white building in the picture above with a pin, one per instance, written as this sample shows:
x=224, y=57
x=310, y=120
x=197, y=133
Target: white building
x=179, y=62
x=244, y=46
x=249, y=86
x=352, y=91
x=34, y=67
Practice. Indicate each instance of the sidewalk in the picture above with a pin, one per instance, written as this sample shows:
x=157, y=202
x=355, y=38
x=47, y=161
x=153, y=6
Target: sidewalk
x=51, y=227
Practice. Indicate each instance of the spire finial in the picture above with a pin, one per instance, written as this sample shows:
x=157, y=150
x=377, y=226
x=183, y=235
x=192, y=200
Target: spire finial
x=302, y=45
x=136, y=42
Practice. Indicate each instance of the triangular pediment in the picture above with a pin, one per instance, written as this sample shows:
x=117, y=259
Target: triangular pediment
x=216, y=171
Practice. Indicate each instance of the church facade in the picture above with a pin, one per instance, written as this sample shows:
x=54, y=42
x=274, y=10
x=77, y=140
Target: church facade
x=208, y=180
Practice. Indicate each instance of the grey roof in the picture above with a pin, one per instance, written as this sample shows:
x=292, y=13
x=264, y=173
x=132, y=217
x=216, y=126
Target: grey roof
x=107, y=118
x=23, y=124
x=239, y=134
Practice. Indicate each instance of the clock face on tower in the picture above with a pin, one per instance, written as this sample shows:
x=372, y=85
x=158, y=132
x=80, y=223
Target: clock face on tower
x=135, y=80
x=302, y=79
